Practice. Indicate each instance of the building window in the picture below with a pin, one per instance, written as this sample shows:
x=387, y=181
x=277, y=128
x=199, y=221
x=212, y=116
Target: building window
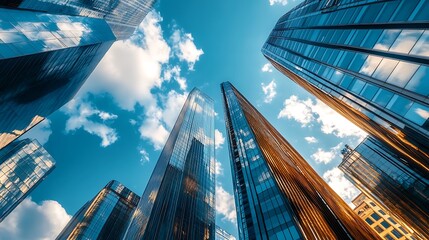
x=396, y=233
x=385, y=224
x=369, y=221
x=375, y=216
x=378, y=229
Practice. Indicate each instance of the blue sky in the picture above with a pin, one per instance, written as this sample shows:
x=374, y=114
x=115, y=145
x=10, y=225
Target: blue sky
x=119, y=121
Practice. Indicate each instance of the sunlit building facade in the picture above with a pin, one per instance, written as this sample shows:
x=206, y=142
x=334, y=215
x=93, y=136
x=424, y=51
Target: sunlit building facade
x=179, y=199
x=221, y=234
x=380, y=220
x=48, y=48
x=366, y=59
x=105, y=217
x=384, y=177
x=277, y=193
x=24, y=165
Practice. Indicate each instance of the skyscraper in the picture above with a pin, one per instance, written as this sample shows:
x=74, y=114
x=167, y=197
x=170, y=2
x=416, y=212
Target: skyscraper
x=367, y=60
x=179, y=199
x=48, y=48
x=222, y=234
x=278, y=195
x=380, y=220
x=386, y=179
x=105, y=217
x=24, y=164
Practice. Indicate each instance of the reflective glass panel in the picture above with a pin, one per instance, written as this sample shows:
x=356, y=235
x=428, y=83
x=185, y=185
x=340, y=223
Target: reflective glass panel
x=418, y=114
x=402, y=73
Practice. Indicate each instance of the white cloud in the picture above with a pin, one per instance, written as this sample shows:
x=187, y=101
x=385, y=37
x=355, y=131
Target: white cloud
x=225, y=205
x=153, y=130
x=311, y=139
x=41, y=132
x=218, y=168
x=144, y=156
x=30, y=220
x=298, y=110
x=185, y=48
x=160, y=119
x=267, y=68
x=172, y=105
x=219, y=139
x=174, y=72
x=133, y=68
x=269, y=91
x=81, y=115
x=335, y=178
x=133, y=122
x=322, y=156
x=307, y=111
x=282, y=2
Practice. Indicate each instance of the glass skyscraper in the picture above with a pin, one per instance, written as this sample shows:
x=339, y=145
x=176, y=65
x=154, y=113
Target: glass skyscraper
x=105, y=217
x=179, y=199
x=385, y=178
x=222, y=234
x=278, y=195
x=387, y=226
x=366, y=59
x=23, y=165
x=48, y=48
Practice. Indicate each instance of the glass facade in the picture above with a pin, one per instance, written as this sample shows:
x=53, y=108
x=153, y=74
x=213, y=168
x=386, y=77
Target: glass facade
x=385, y=178
x=49, y=48
x=222, y=234
x=24, y=164
x=105, y=217
x=123, y=16
x=278, y=195
x=179, y=199
x=387, y=226
x=367, y=60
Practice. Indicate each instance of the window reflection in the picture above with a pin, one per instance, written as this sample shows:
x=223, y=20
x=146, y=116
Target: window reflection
x=402, y=73
x=418, y=114
x=399, y=105
x=419, y=82
x=406, y=41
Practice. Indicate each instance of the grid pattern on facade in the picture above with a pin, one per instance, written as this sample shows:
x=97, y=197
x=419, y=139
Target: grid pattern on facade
x=105, y=217
x=370, y=56
x=123, y=16
x=380, y=220
x=183, y=179
x=312, y=209
x=262, y=211
x=24, y=164
x=384, y=178
x=221, y=234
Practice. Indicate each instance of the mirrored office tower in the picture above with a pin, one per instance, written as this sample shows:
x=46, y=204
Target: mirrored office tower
x=24, y=165
x=368, y=60
x=385, y=178
x=277, y=193
x=105, y=217
x=48, y=48
x=222, y=234
x=179, y=200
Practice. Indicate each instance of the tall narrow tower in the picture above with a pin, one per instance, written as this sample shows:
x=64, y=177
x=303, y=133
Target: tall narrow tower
x=105, y=217
x=368, y=60
x=278, y=195
x=179, y=200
